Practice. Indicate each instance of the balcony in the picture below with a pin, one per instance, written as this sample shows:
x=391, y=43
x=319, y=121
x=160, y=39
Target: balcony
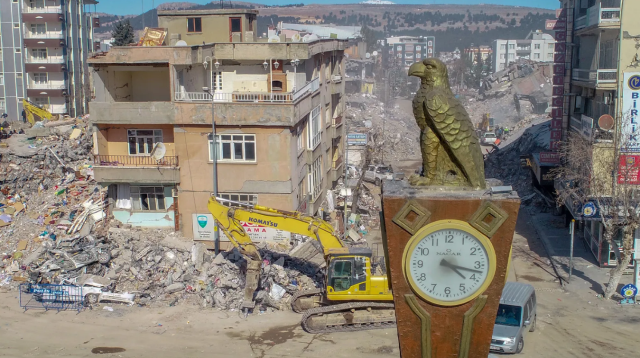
x=523, y=49
x=46, y=85
x=605, y=78
x=337, y=121
x=250, y=97
x=44, y=35
x=42, y=10
x=336, y=78
x=136, y=169
x=599, y=16
x=48, y=59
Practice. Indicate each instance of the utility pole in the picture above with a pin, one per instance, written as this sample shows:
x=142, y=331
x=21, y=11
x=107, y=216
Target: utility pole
x=384, y=119
x=346, y=173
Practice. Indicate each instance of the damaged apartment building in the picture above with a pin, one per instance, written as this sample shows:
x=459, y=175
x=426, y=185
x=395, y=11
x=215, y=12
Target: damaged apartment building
x=278, y=113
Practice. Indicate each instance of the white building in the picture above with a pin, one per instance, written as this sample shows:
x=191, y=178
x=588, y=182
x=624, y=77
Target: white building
x=537, y=46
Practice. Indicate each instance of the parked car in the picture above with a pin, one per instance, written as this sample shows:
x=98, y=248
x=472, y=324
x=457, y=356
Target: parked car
x=516, y=315
x=377, y=173
x=488, y=138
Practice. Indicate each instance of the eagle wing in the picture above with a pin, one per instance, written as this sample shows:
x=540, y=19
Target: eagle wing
x=449, y=120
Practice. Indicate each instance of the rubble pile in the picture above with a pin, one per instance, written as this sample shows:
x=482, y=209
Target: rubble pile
x=504, y=164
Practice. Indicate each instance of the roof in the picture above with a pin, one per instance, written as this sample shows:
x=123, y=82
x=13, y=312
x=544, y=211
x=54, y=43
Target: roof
x=342, y=32
x=516, y=293
x=206, y=12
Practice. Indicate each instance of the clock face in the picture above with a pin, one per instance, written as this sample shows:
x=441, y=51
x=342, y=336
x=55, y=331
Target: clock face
x=449, y=263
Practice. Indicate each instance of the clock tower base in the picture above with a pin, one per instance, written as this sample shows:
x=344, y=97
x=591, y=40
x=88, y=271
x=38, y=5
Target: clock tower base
x=427, y=330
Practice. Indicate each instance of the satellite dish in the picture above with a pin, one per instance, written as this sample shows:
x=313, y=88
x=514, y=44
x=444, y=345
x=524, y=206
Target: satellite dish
x=367, y=55
x=274, y=39
x=296, y=38
x=375, y=53
x=158, y=152
x=606, y=122
x=181, y=43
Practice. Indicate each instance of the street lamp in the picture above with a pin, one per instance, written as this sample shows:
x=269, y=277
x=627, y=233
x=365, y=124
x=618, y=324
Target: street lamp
x=214, y=155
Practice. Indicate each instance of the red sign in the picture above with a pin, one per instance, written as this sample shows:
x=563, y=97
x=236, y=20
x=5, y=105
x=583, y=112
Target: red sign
x=555, y=24
x=561, y=36
x=558, y=80
x=629, y=172
x=558, y=69
x=554, y=145
x=548, y=157
x=558, y=90
x=557, y=101
x=556, y=113
x=560, y=47
x=556, y=134
x=556, y=124
x=561, y=13
x=559, y=58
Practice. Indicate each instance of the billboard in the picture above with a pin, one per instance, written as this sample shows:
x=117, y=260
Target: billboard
x=357, y=139
x=630, y=114
x=629, y=170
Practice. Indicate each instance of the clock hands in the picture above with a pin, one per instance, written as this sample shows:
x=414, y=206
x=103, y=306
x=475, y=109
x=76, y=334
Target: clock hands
x=455, y=268
x=445, y=263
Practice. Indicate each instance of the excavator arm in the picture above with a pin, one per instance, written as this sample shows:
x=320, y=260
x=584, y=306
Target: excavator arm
x=30, y=109
x=230, y=218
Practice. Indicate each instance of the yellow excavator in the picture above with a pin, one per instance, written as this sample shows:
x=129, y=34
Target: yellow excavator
x=352, y=299
x=30, y=109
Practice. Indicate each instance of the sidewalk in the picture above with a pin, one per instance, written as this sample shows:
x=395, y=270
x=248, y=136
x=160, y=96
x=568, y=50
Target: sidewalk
x=587, y=276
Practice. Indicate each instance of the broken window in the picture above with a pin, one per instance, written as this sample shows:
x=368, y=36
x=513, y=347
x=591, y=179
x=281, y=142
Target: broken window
x=147, y=198
x=235, y=147
x=242, y=198
x=194, y=24
x=141, y=141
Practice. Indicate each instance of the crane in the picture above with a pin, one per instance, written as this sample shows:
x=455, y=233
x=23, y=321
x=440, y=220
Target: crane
x=352, y=298
x=30, y=109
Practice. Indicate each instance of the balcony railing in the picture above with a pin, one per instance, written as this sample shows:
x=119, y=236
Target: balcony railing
x=44, y=35
x=134, y=161
x=599, y=77
x=47, y=85
x=336, y=78
x=337, y=121
x=42, y=10
x=249, y=97
x=336, y=164
x=598, y=15
x=48, y=59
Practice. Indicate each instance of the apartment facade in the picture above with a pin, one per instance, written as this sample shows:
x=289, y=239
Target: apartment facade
x=604, y=60
x=407, y=50
x=278, y=114
x=472, y=52
x=44, y=46
x=537, y=46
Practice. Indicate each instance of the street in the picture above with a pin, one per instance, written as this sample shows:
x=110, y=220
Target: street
x=572, y=323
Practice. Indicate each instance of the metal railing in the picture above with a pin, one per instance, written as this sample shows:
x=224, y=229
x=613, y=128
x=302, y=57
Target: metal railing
x=47, y=85
x=249, y=97
x=44, y=35
x=134, y=161
x=48, y=59
x=337, y=163
x=605, y=76
x=42, y=10
x=336, y=78
x=337, y=121
x=598, y=15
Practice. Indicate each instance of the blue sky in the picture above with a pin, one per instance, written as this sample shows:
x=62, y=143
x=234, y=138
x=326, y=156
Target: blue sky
x=125, y=7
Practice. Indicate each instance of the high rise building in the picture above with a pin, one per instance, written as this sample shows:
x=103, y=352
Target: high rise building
x=43, y=55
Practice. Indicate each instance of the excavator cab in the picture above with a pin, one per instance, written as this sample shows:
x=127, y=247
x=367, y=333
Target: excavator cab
x=349, y=276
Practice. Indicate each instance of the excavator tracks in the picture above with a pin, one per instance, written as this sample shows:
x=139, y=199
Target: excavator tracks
x=349, y=317
x=307, y=299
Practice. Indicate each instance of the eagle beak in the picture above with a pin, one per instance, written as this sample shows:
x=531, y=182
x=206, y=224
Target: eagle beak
x=417, y=69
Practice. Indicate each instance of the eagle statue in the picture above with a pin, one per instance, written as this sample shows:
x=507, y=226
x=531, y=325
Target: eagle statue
x=451, y=154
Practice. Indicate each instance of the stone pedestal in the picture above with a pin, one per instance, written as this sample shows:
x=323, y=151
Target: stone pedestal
x=427, y=330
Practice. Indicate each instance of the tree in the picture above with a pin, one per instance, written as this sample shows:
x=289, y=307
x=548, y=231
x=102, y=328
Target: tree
x=599, y=171
x=123, y=33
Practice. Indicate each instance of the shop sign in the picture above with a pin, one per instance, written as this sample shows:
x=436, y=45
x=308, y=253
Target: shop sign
x=629, y=171
x=629, y=291
x=589, y=210
x=357, y=139
x=630, y=112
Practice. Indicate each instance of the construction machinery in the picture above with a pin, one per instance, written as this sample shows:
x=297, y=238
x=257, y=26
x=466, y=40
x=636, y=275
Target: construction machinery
x=352, y=297
x=30, y=109
x=539, y=103
x=487, y=123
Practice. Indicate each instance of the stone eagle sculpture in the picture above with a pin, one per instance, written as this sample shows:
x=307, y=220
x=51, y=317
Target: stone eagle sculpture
x=451, y=154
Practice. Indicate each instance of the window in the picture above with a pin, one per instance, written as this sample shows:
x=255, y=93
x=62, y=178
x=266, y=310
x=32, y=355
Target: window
x=194, y=24
x=18, y=50
x=536, y=46
x=399, y=55
x=536, y=55
x=41, y=101
x=512, y=46
x=300, y=135
x=2, y=103
x=141, y=141
x=38, y=29
x=217, y=81
x=315, y=178
x=1, y=78
x=549, y=56
x=503, y=47
x=147, y=198
x=430, y=51
x=36, y=4
x=314, y=129
x=341, y=275
x=418, y=48
x=398, y=48
x=235, y=24
x=39, y=54
x=502, y=56
x=40, y=78
x=16, y=25
x=418, y=55
x=430, y=43
x=511, y=56
x=551, y=47
x=243, y=198
x=234, y=147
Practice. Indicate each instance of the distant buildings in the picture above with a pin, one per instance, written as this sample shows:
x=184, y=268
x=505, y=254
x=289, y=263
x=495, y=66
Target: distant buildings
x=407, y=50
x=43, y=54
x=472, y=52
x=537, y=46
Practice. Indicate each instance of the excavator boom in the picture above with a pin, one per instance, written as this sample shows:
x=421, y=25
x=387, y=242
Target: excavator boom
x=30, y=109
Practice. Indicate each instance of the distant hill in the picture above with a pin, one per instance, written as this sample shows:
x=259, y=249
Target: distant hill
x=453, y=25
